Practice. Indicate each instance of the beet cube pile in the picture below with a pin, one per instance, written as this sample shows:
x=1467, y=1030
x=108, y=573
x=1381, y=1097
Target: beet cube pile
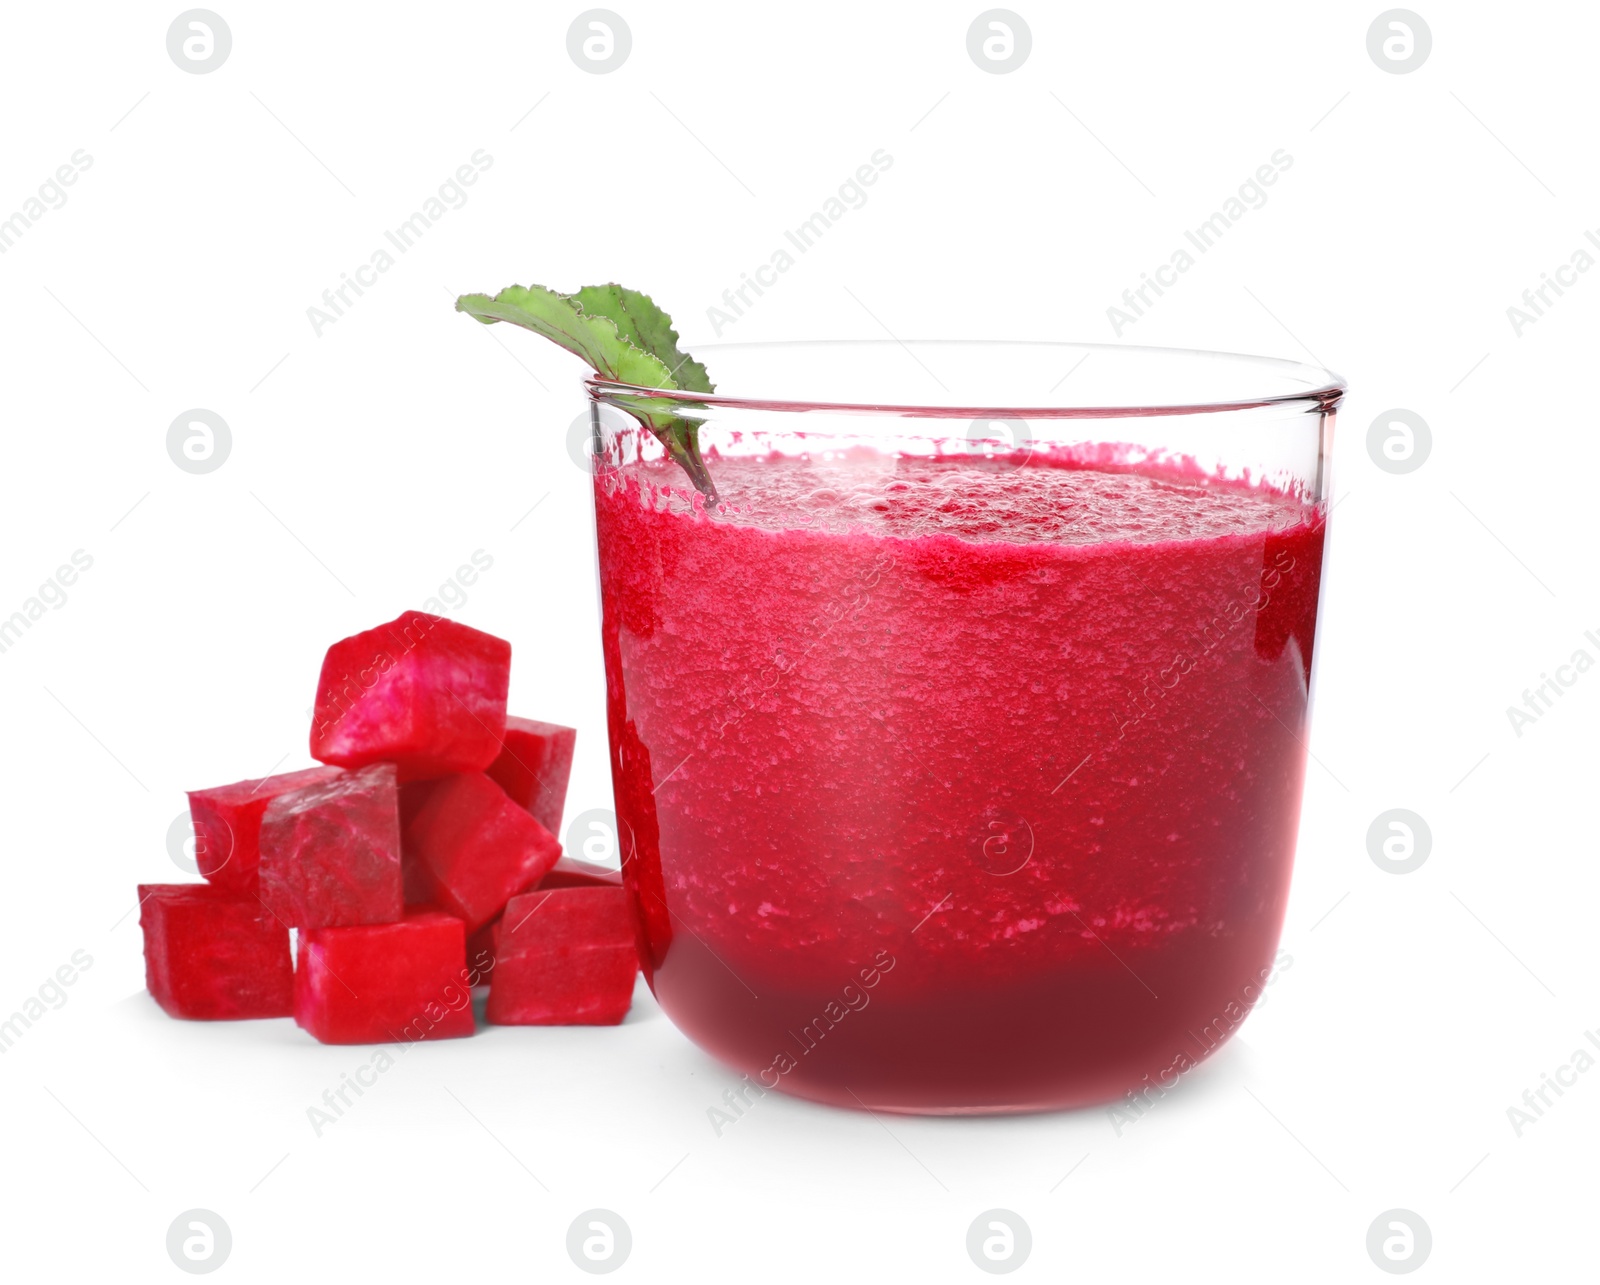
x=419, y=862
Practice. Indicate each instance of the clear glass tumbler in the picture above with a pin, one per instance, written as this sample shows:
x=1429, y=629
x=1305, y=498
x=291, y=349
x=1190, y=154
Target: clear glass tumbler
x=958, y=742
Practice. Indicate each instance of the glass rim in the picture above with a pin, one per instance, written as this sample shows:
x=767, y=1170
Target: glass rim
x=1299, y=383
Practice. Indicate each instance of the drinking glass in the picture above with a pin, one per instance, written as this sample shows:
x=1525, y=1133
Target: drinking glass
x=958, y=720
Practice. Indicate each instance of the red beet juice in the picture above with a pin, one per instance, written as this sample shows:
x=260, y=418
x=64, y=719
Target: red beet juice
x=956, y=785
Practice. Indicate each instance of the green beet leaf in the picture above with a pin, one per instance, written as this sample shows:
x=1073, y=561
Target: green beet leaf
x=623, y=336
x=644, y=325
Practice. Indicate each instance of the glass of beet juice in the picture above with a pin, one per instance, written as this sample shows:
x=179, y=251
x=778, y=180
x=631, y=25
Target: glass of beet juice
x=958, y=741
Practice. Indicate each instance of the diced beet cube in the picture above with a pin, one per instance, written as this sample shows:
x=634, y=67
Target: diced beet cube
x=533, y=768
x=212, y=955
x=571, y=873
x=472, y=849
x=566, y=873
x=385, y=983
x=564, y=957
x=421, y=692
x=330, y=852
x=227, y=824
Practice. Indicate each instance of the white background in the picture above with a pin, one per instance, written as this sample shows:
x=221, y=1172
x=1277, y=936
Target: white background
x=370, y=461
